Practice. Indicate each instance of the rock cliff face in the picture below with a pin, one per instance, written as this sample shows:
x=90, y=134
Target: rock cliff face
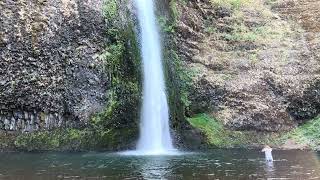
x=256, y=68
x=50, y=73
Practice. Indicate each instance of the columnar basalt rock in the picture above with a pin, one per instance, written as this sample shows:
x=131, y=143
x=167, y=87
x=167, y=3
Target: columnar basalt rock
x=24, y=121
x=50, y=72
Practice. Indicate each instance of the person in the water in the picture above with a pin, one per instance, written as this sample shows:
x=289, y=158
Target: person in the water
x=268, y=153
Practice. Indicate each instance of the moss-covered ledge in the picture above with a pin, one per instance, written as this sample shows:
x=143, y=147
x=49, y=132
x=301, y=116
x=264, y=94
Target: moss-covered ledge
x=74, y=140
x=217, y=135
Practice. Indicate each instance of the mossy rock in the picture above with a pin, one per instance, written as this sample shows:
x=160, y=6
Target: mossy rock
x=76, y=140
x=219, y=136
x=307, y=135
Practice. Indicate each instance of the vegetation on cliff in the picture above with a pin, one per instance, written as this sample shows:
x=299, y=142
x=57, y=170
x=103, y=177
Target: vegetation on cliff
x=116, y=126
x=122, y=60
x=244, y=57
x=218, y=136
x=304, y=136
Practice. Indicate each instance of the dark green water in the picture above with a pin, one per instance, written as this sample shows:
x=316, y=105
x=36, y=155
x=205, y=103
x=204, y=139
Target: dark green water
x=218, y=164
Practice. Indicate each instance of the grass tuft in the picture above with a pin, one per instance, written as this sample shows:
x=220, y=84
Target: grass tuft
x=219, y=136
x=235, y=4
x=307, y=134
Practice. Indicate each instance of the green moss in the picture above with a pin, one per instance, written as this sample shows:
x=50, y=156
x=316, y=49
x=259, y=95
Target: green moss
x=174, y=10
x=183, y=77
x=67, y=139
x=110, y=8
x=122, y=62
x=210, y=30
x=117, y=123
x=219, y=136
x=235, y=4
x=165, y=25
x=74, y=140
x=7, y=141
x=168, y=24
x=307, y=134
x=113, y=139
x=177, y=79
x=244, y=33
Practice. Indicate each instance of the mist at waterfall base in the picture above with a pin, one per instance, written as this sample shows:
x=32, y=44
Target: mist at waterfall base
x=155, y=136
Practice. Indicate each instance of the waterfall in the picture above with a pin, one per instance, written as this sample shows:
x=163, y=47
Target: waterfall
x=154, y=128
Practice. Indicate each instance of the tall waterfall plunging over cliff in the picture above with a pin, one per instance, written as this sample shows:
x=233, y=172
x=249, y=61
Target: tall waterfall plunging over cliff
x=154, y=129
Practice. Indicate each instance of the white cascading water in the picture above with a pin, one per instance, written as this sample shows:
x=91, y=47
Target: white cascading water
x=154, y=129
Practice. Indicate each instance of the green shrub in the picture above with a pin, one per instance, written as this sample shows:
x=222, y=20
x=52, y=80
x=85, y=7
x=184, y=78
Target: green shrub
x=236, y=4
x=307, y=134
x=174, y=10
x=110, y=8
x=244, y=33
x=219, y=136
x=123, y=66
x=165, y=25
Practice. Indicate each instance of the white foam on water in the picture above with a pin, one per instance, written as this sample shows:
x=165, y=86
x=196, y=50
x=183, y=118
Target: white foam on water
x=173, y=152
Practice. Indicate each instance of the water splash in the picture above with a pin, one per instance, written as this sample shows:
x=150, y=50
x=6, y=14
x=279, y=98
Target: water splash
x=154, y=128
